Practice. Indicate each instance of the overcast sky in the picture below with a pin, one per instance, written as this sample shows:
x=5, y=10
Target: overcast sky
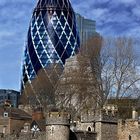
x=113, y=18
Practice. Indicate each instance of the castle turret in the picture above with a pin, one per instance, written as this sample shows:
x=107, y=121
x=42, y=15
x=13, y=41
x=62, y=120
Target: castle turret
x=57, y=126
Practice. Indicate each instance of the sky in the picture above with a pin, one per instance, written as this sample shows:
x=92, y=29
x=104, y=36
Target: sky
x=113, y=18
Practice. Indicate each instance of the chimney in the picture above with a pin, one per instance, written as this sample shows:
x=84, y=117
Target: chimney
x=38, y=114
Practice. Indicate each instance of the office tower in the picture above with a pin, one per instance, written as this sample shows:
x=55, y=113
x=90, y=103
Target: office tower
x=86, y=28
x=52, y=38
x=9, y=96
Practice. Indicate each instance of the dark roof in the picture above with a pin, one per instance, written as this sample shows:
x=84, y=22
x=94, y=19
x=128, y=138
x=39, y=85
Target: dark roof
x=14, y=113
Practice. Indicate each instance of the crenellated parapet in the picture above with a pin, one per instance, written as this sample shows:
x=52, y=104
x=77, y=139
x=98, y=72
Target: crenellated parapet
x=109, y=113
x=57, y=125
x=129, y=128
x=58, y=118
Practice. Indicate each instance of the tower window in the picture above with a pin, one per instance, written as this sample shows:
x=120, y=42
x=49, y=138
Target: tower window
x=89, y=129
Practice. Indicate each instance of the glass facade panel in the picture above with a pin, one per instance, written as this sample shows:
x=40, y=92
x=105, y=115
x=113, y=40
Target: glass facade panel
x=52, y=37
x=10, y=96
x=86, y=28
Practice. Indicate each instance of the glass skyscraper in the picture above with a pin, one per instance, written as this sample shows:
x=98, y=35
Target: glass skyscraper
x=86, y=28
x=10, y=96
x=52, y=37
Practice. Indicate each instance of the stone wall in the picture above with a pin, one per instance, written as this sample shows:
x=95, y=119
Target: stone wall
x=57, y=132
x=103, y=122
x=81, y=135
x=87, y=126
x=128, y=129
x=4, y=122
x=106, y=130
x=57, y=125
x=15, y=125
x=25, y=136
x=10, y=126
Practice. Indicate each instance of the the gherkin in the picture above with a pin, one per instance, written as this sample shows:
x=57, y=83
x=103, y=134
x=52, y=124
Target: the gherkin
x=52, y=38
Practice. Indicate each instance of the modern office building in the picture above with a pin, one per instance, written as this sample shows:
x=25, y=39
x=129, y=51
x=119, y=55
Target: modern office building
x=10, y=96
x=86, y=28
x=52, y=38
x=90, y=40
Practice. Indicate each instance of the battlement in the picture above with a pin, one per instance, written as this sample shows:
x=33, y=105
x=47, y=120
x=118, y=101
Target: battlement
x=58, y=118
x=108, y=113
x=129, y=128
x=110, y=108
x=128, y=123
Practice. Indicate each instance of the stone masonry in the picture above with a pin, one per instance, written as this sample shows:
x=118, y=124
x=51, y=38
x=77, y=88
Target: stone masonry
x=57, y=126
x=103, y=122
x=129, y=129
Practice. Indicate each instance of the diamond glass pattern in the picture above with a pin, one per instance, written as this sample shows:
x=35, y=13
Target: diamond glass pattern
x=52, y=37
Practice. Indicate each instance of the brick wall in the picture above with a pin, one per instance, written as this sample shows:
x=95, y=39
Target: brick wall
x=11, y=125
x=4, y=125
x=16, y=125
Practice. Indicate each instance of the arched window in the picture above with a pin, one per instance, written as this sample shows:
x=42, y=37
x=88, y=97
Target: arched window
x=89, y=129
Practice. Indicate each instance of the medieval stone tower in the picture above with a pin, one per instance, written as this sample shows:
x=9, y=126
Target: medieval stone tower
x=57, y=126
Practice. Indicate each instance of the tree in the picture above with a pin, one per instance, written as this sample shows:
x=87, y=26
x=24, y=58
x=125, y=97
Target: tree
x=104, y=68
x=118, y=69
x=40, y=91
x=75, y=88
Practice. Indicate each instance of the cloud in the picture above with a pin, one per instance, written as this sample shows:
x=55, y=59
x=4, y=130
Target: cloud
x=15, y=16
x=113, y=18
x=127, y=1
x=136, y=12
